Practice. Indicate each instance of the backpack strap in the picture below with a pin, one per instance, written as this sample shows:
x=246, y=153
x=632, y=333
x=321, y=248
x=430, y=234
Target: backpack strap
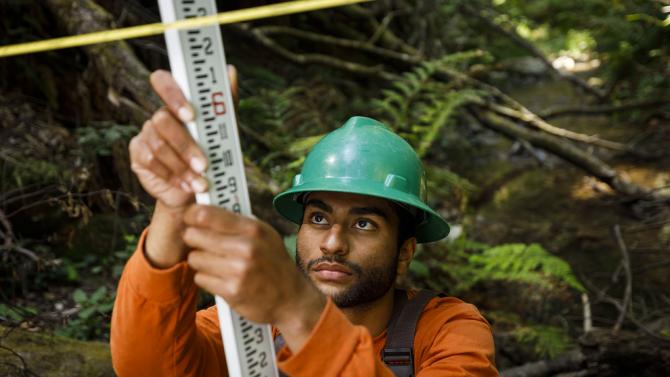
x=398, y=353
x=279, y=343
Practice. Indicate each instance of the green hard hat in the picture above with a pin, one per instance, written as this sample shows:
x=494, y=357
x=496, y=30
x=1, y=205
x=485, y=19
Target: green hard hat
x=365, y=157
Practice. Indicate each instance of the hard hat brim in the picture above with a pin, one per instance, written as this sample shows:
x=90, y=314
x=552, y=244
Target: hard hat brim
x=432, y=229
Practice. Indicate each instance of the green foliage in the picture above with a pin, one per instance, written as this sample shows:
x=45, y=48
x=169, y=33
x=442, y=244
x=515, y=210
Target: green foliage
x=92, y=319
x=530, y=264
x=28, y=170
x=539, y=340
x=443, y=183
x=545, y=341
x=283, y=122
x=15, y=313
x=525, y=263
x=101, y=139
x=417, y=106
x=467, y=263
x=107, y=265
x=629, y=37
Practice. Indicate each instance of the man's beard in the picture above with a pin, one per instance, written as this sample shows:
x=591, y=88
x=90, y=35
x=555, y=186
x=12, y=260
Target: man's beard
x=369, y=286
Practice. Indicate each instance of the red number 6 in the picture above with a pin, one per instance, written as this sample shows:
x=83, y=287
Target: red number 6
x=218, y=103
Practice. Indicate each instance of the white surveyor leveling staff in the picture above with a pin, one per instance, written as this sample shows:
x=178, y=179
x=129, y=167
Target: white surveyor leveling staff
x=199, y=66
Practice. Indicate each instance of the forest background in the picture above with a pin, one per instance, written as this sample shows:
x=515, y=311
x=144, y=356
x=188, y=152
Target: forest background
x=544, y=127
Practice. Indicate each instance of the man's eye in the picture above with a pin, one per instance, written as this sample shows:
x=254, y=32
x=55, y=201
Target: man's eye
x=364, y=224
x=318, y=219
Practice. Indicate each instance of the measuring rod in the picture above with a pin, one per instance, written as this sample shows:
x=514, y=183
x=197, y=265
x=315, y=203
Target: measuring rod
x=198, y=65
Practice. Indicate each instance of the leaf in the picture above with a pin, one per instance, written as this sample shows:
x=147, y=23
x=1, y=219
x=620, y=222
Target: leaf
x=87, y=312
x=419, y=268
x=9, y=312
x=79, y=296
x=98, y=294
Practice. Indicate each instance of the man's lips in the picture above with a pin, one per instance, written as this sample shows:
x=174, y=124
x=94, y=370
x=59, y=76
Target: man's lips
x=332, y=272
x=332, y=267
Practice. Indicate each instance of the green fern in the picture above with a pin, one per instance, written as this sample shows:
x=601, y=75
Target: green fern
x=418, y=105
x=524, y=263
x=541, y=340
x=546, y=341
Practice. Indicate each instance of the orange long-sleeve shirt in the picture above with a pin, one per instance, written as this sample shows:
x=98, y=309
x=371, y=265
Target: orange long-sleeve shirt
x=156, y=331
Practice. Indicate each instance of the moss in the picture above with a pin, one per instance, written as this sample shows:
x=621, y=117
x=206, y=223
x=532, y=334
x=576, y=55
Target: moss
x=50, y=355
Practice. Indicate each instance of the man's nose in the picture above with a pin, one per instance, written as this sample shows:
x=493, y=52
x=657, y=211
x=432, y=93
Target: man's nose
x=335, y=241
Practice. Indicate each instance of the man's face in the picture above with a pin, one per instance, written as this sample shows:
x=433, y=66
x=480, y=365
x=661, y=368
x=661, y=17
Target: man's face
x=347, y=245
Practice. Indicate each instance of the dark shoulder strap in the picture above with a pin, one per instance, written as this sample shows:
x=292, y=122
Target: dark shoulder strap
x=279, y=343
x=398, y=353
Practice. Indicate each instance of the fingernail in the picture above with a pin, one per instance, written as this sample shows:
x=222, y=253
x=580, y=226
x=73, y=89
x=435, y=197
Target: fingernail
x=185, y=113
x=199, y=185
x=184, y=186
x=197, y=164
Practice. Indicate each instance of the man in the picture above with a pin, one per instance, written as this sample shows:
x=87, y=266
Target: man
x=358, y=204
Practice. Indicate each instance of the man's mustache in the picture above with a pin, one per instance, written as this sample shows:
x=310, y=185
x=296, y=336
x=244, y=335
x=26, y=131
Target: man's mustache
x=358, y=270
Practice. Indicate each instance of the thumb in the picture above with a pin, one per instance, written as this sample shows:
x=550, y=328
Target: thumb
x=232, y=78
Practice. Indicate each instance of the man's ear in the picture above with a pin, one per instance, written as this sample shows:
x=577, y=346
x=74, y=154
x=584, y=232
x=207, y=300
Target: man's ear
x=405, y=255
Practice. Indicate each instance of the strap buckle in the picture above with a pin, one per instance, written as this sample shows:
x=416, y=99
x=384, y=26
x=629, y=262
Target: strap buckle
x=398, y=356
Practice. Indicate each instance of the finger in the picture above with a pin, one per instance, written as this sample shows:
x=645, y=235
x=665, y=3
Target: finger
x=215, y=243
x=169, y=157
x=168, y=89
x=220, y=220
x=170, y=130
x=214, y=265
x=232, y=78
x=142, y=158
x=213, y=284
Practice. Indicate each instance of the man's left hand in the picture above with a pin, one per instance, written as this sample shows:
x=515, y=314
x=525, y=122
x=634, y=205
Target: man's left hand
x=245, y=261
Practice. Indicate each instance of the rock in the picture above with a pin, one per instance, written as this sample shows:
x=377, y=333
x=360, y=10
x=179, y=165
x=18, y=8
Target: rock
x=527, y=65
x=48, y=355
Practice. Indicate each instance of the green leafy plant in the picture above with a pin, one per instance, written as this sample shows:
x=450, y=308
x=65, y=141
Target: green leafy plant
x=15, y=313
x=92, y=319
x=545, y=341
x=538, y=340
x=101, y=139
x=525, y=263
x=418, y=105
x=472, y=263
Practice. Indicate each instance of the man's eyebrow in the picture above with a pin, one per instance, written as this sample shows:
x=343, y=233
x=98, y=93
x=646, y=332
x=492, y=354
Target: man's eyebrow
x=319, y=204
x=369, y=211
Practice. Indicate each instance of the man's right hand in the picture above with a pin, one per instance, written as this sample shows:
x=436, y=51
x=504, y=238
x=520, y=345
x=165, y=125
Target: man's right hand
x=169, y=164
x=164, y=156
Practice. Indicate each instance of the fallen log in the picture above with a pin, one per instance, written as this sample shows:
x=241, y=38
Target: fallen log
x=602, y=353
x=567, y=151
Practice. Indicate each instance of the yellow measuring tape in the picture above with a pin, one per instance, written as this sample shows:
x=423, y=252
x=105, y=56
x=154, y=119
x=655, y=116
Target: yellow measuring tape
x=241, y=15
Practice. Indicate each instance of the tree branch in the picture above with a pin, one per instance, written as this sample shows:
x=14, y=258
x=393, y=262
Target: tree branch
x=302, y=59
x=571, y=361
x=342, y=42
x=567, y=151
x=386, y=38
x=529, y=117
x=602, y=109
x=628, y=291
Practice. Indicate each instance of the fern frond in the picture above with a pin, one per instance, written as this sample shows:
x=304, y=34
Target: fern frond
x=525, y=263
